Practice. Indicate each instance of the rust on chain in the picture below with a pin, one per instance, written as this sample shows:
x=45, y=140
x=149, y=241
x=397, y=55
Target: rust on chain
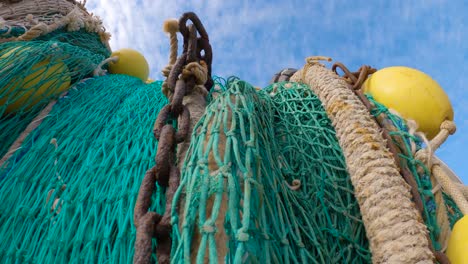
x=355, y=81
x=192, y=45
x=144, y=220
x=163, y=116
x=176, y=101
x=164, y=228
x=203, y=46
x=165, y=155
x=176, y=70
x=144, y=195
x=196, y=22
x=184, y=125
x=145, y=232
x=150, y=224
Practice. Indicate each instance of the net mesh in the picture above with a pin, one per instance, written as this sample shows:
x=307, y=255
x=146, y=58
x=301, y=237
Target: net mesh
x=35, y=72
x=68, y=195
x=261, y=142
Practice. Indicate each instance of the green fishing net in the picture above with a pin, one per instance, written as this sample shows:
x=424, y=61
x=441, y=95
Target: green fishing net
x=68, y=194
x=32, y=73
x=11, y=31
x=273, y=155
x=82, y=39
x=270, y=155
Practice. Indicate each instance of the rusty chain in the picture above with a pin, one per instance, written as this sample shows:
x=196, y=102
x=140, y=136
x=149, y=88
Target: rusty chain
x=150, y=224
x=355, y=81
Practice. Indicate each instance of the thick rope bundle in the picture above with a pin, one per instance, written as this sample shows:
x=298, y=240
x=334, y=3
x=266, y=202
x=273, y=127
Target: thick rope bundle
x=36, y=18
x=394, y=227
x=28, y=13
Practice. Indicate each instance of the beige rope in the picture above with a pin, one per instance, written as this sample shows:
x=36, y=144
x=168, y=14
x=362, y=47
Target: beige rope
x=33, y=125
x=41, y=17
x=99, y=71
x=171, y=26
x=427, y=156
x=451, y=188
x=448, y=185
x=446, y=128
x=195, y=69
x=441, y=214
x=463, y=188
x=393, y=225
x=441, y=210
x=31, y=12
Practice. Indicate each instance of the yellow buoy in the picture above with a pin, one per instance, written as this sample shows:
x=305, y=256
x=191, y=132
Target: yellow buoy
x=130, y=62
x=47, y=78
x=457, y=250
x=413, y=94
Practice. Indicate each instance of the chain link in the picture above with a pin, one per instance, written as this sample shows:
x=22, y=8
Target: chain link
x=355, y=79
x=150, y=224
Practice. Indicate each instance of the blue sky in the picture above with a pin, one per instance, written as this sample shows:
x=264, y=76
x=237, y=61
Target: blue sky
x=255, y=39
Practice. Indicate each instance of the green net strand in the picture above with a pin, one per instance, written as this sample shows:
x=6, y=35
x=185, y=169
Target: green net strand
x=273, y=137
x=88, y=157
x=31, y=75
x=68, y=194
x=81, y=38
x=7, y=32
x=418, y=169
x=454, y=213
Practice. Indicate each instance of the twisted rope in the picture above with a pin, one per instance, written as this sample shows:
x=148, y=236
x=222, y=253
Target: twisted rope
x=41, y=17
x=447, y=128
x=99, y=71
x=393, y=224
x=170, y=27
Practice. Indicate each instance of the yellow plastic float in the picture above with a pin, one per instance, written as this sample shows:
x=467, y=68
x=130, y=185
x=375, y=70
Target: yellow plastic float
x=130, y=62
x=457, y=250
x=47, y=78
x=413, y=94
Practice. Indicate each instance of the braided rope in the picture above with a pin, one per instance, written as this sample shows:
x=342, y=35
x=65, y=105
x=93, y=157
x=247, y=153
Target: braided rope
x=393, y=225
x=41, y=17
x=440, y=180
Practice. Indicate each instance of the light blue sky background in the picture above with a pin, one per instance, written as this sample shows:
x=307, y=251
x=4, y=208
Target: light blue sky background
x=254, y=39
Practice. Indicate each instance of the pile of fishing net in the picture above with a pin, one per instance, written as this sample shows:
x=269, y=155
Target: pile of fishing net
x=69, y=192
x=35, y=72
x=267, y=177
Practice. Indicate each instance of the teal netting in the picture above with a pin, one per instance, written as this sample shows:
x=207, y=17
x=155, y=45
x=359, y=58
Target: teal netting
x=35, y=72
x=454, y=213
x=11, y=31
x=82, y=39
x=276, y=137
x=68, y=195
